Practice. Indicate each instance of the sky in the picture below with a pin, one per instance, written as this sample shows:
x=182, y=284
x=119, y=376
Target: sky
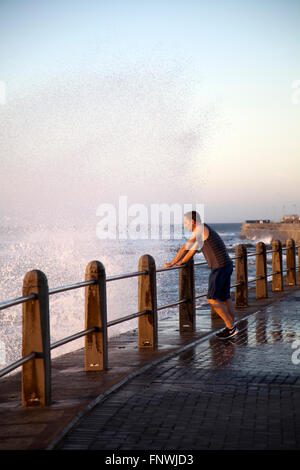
x=160, y=101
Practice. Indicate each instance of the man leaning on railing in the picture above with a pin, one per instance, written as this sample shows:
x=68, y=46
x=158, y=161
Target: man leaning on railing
x=214, y=250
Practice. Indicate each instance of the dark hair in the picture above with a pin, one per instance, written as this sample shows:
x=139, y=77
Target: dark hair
x=194, y=215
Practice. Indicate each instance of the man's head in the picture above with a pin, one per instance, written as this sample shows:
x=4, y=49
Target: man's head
x=191, y=220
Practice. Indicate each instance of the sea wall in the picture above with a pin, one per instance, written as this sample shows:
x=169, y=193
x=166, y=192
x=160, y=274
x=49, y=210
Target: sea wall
x=271, y=231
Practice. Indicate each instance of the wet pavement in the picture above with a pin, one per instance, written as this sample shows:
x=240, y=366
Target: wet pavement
x=242, y=393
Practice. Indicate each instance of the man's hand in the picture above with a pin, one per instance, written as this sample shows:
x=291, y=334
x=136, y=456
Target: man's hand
x=167, y=265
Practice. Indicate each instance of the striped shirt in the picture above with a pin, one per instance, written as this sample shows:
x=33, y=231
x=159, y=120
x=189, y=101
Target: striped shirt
x=214, y=250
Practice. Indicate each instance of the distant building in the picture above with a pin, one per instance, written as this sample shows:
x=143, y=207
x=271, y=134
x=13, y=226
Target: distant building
x=258, y=221
x=291, y=219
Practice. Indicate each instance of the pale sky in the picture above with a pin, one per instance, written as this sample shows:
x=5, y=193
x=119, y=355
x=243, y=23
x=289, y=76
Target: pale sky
x=165, y=101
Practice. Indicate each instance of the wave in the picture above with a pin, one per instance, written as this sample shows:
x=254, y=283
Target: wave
x=267, y=239
x=227, y=234
x=62, y=253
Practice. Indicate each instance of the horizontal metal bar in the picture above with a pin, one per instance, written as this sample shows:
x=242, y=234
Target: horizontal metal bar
x=236, y=257
x=280, y=272
x=57, y=290
x=19, y=300
x=160, y=270
x=128, y=317
x=200, y=263
x=283, y=248
x=126, y=275
x=201, y=295
x=237, y=285
x=254, y=253
x=256, y=279
x=172, y=304
x=273, y=273
x=17, y=364
x=68, y=339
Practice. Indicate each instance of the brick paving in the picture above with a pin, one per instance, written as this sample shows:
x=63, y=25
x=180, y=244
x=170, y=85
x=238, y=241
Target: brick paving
x=242, y=393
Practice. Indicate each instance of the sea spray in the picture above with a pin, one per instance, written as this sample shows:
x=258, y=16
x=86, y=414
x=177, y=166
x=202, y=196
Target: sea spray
x=62, y=252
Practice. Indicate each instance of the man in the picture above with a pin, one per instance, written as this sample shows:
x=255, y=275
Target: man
x=218, y=260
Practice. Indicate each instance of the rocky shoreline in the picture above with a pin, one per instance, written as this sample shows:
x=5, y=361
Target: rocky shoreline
x=271, y=231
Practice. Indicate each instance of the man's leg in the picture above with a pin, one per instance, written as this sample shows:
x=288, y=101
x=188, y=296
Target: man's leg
x=230, y=309
x=222, y=311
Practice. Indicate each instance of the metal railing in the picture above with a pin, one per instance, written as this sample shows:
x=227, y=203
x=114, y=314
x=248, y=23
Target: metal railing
x=36, y=360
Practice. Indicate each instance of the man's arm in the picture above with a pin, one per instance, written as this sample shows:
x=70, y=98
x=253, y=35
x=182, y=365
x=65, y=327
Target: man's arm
x=189, y=254
x=193, y=245
x=180, y=254
x=184, y=254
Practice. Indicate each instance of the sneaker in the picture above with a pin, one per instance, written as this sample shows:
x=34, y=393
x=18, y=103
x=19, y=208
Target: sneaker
x=227, y=333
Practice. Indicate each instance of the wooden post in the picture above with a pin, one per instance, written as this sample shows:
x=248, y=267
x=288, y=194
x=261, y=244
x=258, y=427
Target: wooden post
x=187, y=310
x=291, y=262
x=96, y=316
x=261, y=271
x=36, y=373
x=147, y=300
x=277, y=278
x=241, y=276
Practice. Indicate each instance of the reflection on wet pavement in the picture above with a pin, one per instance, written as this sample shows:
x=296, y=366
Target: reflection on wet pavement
x=242, y=393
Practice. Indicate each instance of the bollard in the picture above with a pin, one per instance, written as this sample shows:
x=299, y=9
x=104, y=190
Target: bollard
x=291, y=262
x=241, y=276
x=36, y=373
x=147, y=300
x=187, y=310
x=96, y=316
x=261, y=271
x=277, y=277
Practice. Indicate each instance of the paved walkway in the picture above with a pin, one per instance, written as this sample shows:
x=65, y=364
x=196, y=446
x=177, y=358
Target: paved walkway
x=242, y=393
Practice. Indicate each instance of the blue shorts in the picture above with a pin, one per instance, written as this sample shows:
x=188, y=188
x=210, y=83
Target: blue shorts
x=219, y=283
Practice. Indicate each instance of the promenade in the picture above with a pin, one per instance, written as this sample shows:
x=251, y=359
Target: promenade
x=242, y=393
x=193, y=392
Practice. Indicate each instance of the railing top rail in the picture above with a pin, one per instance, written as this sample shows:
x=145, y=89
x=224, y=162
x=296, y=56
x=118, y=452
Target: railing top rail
x=126, y=275
x=19, y=300
x=254, y=253
x=77, y=285
x=160, y=270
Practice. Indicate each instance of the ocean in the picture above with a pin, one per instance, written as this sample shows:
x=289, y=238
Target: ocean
x=63, y=250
